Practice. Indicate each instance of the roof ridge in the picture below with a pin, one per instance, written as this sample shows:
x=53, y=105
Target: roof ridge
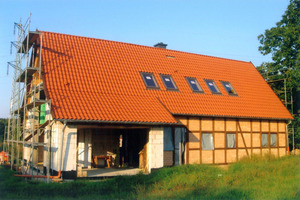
x=159, y=49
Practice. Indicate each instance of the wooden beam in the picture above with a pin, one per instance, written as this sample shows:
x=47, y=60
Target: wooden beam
x=239, y=126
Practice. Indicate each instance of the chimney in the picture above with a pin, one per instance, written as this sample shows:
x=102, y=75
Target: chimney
x=161, y=45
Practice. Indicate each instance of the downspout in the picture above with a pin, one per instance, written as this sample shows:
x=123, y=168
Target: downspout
x=62, y=145
x=287, y=136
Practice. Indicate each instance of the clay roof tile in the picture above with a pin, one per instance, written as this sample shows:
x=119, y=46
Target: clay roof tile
x=95, y=79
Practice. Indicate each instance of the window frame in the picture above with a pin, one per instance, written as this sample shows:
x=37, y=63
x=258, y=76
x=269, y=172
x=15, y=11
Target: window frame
x=275, y=134
x=227, y=82
x=168, y=134
x=234, y=141
x=162, y=76
x=202, y=142
x=188, y=79
x=215, y=86
x=268, y=142
x=156, y=87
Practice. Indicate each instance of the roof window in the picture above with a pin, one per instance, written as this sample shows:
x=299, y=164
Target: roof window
x=228, y=87
x=213, y=87
x=193, y=83
x=169, y=82
x=149, y=80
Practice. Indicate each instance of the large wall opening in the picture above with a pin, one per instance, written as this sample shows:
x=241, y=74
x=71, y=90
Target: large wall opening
x=105, y=148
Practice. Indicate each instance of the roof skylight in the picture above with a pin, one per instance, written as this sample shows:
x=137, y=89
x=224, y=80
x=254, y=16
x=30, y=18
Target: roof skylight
x=213, y=87
x=149, y=80
x=169, y=82
x=193, y=83
x=228, y=87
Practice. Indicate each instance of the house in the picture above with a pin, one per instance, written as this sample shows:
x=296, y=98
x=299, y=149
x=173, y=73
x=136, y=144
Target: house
x=93, y=102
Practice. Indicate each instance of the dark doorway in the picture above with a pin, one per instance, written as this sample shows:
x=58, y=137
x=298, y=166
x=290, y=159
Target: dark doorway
x=133, y=142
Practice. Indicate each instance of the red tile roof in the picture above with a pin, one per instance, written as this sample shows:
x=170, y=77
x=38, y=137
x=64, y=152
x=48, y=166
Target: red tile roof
x=94, y=79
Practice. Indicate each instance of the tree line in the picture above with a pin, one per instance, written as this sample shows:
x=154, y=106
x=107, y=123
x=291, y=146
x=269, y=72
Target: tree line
x=3, y=123
x=283, y=73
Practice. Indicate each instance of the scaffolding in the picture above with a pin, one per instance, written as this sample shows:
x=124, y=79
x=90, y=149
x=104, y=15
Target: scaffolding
x=290, y=128
x=27, y=139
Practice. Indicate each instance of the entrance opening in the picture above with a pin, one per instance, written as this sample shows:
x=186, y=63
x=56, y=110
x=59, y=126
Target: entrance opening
x=132, y=148
x=112, y=149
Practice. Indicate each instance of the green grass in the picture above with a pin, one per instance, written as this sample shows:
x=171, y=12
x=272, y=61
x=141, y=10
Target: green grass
x=255, y=178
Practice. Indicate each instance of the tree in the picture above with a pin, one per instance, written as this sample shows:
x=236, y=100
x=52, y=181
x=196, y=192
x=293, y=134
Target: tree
x=3, y=123
x=283, y=42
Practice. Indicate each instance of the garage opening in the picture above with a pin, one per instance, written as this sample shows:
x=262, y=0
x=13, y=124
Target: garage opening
x=132, y=148
x=112, y=148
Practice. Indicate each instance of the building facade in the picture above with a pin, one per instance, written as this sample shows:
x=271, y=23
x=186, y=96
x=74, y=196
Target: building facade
x=94, y=103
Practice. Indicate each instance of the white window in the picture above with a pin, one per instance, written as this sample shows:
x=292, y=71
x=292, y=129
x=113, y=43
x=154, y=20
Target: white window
x=230, y=140
x=264, y=140
x=207, y=141
x=273, y=140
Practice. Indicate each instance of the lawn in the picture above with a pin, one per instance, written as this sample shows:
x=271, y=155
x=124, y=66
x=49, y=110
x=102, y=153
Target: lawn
x=255, y=178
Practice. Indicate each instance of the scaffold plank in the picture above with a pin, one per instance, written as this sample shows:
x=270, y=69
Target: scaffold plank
x=33, y=35
x=30, y=72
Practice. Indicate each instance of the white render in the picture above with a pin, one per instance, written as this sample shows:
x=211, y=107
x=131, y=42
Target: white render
x=68, y=161
x=85, y=148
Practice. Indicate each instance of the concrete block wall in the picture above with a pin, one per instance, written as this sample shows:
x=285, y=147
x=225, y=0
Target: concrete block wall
x=155, y=149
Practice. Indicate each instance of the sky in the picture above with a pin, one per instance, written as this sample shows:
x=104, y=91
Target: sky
x=221, y=28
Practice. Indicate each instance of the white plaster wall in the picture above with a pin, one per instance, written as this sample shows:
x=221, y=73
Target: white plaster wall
x=26, y=152
x=69, y=148
x=155, y=148
x=68, y=161
x=54, y=146
x=48, y=115
x=85, y=148
x=46, y=140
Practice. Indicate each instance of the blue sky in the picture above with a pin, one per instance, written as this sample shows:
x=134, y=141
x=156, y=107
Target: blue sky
x=222, y=28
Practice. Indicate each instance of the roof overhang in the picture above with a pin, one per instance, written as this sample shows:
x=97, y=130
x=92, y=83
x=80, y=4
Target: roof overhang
x=120, y=122
x=232, y=117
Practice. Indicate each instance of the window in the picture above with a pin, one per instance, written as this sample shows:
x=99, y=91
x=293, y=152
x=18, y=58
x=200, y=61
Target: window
x=195, y=86
x=168, y=81
x=273, y=140
x=168, y=139
x=213, y=87
x=228, y=87
x=149, y=80
x=207, y=141
x=264, y=140
x=230, y=140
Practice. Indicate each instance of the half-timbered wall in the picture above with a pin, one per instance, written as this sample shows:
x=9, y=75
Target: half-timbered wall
x=247, y=134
